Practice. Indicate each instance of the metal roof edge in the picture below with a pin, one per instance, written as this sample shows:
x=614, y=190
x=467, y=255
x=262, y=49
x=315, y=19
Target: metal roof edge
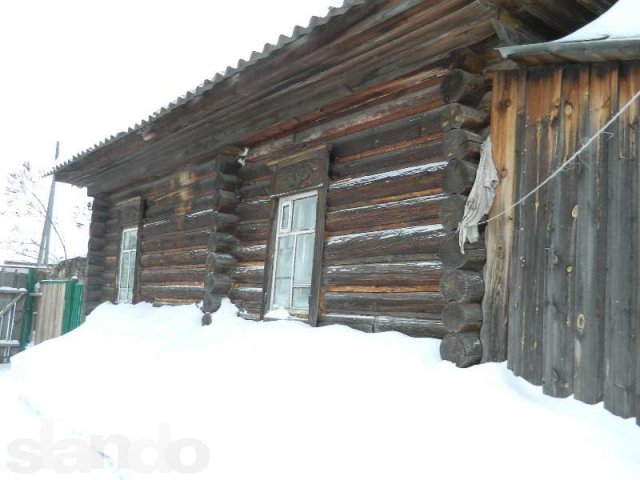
x=571, y=47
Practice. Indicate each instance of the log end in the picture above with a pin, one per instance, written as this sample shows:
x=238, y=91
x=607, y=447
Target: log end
x=463, y=349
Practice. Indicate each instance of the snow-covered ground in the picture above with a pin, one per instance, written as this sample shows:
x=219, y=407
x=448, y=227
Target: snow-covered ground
x=143, y=392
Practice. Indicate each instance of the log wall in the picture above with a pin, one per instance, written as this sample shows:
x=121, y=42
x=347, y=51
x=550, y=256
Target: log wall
x=183, y=218
x=380, y=268
x=572, y=310
x=465, y=121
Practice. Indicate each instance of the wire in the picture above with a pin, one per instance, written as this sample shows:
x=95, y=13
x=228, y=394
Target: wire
x=565, y=163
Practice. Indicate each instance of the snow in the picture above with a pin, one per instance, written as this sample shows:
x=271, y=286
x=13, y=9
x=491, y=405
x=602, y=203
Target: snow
x=387, y=233
x=281, y=400
x=402, y=172
x=620, y=21
x=12, y=290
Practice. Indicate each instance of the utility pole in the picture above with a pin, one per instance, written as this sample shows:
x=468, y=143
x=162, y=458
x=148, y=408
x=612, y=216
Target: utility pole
x=43, y=254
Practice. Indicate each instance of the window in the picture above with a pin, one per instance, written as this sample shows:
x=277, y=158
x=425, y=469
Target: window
x=127, y=270
x=294, y=248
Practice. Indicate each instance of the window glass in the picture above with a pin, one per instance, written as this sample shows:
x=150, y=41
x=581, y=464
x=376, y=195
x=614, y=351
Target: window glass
x=293, y=262
x=304, y=213
x=301, y=297
x=127, y=265
x=285, y=221
x=304, y=258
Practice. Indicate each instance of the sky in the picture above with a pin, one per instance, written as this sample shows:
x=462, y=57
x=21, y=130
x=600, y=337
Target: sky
x=80, y=71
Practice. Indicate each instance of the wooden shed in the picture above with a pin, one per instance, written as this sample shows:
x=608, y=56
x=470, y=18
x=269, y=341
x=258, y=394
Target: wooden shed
x=326, y=175
x=562, y=298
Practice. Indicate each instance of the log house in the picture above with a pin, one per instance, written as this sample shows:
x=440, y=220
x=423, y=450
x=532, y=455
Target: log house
x=327, y=175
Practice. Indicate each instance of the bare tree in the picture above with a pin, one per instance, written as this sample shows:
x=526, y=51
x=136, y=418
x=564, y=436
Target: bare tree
x=26, y=188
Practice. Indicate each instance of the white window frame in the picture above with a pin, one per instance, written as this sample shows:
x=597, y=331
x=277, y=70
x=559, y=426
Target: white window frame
x=125, y=295
x=285, y=231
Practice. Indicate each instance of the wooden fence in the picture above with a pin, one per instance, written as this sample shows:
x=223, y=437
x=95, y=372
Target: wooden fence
x=563, y=307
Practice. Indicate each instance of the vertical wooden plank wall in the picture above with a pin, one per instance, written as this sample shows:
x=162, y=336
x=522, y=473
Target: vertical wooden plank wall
x=573, y=312
x=499, y=233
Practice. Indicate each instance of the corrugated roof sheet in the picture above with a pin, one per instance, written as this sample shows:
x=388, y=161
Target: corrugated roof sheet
x=255, y=57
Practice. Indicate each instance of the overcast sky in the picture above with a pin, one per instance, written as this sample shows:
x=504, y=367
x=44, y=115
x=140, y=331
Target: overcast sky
x=79, y=71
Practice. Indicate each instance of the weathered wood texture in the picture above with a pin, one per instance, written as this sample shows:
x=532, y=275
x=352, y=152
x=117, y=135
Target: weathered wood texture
x=499, y=233
x=573, y=316
x=382, y=230
x=95, y=254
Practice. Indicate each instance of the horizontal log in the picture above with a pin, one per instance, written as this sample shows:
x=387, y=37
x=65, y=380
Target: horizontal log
x=398, y=131
x=429, y=150
x=253, y=171
x=176, y=240
x=456, y=115
x=217, y=283
x=403, y=211
x=164, y=210
x=463, y=87
x=246, y=294
x=191, y=221
x=452, y=211
x=462, y=286
x=463, y=349
x=462, y=144
x=224, y=222
x=225, y=201
x=459, y=176
x=221, y=242
x=473, y=258
x=250, y=252
x=196, y=256
x=253, y=274
x=357, y=322
x=401, y=241
x=174, y=275
x=376, y=303
x=254, y=211
x=361, y=190
x=249, y=192
x=414, y=327
x=485, y=103
x=253, y=231
x=378, y=274
x=220, y=262
x=462, y=317
x=467, y=60
x=179, y=190
x=247, y=298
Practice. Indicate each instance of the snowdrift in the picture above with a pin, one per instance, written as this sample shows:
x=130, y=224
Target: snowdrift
x=281, y=400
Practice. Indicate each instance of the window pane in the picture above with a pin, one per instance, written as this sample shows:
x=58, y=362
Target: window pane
x=284, y=257
x=129, y=240
x=304, y=213
x=304, y=259
x=301, y=298
x=284, y=221
x=132, y=269
x=281, y=293
x=124, y=269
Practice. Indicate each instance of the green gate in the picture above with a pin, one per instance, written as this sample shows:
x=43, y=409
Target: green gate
x=59, y=308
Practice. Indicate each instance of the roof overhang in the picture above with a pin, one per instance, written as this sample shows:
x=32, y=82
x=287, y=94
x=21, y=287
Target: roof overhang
x=599, y=50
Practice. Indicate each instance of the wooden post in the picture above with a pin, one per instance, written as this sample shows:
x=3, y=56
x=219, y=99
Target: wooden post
x=499, y=232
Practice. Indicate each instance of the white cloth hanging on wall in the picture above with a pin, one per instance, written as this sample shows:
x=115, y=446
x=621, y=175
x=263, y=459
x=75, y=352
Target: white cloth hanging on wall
x=481, y=197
